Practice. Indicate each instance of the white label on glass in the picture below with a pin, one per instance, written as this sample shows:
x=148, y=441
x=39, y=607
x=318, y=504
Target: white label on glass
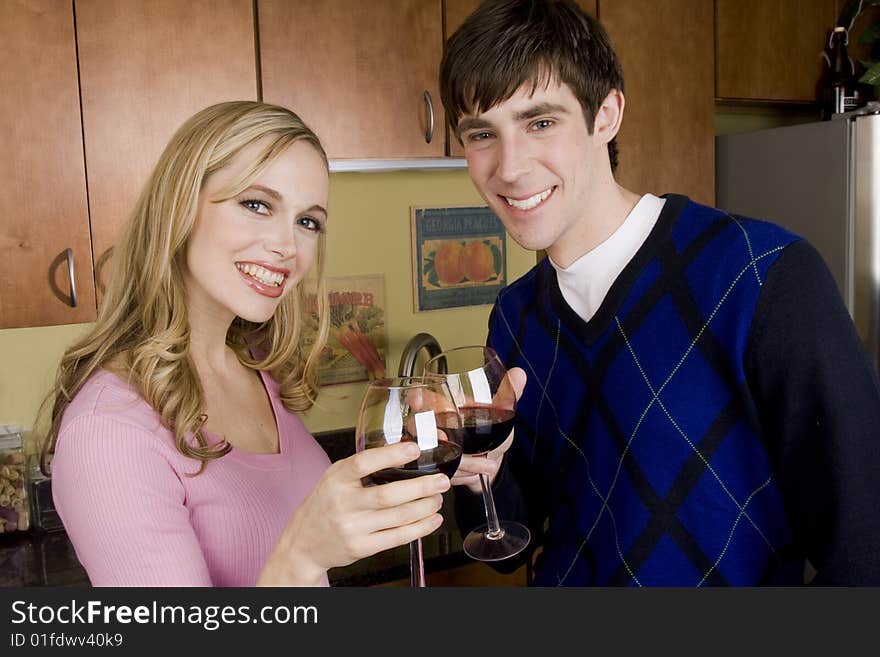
x=454, y=384
x=426, y=430
x=392, y=424
x=480, y=386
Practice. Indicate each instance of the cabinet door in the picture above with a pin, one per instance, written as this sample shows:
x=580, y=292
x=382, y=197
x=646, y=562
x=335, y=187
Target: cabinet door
x=667, y=141
x=145, y=67
x=357, y=72
x=43, y=204
x=771, y=50
x=456, y=12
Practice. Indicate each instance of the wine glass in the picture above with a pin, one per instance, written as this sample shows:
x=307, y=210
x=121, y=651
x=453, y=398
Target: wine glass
x=418, y=410
x=486, y=401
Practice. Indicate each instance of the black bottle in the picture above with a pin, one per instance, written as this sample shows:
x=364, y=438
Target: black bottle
x=839, y=89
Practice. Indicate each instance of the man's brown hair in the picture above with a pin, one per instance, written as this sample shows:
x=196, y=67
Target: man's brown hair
x=507, y=43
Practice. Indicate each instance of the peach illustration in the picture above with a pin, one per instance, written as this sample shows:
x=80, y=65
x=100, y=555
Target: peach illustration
x=479, y=265
x=448, y=263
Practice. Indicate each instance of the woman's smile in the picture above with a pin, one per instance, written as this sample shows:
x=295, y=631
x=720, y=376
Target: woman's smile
x=263, y=278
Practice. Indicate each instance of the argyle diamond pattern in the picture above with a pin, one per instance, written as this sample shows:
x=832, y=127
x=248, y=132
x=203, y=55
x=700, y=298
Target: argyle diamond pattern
x=634, y=432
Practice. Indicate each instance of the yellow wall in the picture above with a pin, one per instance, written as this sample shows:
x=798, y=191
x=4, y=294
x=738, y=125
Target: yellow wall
x=368, y=233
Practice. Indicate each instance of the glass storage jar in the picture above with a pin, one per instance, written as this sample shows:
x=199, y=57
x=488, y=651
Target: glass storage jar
x=15, y=514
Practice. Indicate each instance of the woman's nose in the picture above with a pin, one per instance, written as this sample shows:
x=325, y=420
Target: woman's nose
x=282, y=240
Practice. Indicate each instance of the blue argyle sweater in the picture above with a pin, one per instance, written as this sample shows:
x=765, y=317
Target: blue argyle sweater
x=661, y=444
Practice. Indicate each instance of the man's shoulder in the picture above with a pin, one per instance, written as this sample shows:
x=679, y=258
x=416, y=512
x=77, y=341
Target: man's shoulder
x=738, y=224
x=715, y=235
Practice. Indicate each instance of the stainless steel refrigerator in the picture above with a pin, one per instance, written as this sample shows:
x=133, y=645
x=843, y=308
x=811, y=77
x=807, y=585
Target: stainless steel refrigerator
x=822, y=181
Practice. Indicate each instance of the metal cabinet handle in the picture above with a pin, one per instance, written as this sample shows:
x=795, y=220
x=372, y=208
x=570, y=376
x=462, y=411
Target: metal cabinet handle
x=69, y=254
x=429, y=133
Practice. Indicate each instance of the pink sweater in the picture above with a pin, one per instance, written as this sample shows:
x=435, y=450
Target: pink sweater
x=136, y=519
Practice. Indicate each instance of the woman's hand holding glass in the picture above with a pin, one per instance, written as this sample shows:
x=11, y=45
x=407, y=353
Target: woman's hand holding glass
x=420, y=413
x=342, y=521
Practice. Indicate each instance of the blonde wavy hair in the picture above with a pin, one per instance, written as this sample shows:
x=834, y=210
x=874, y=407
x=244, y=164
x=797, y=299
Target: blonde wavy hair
x=142, y=322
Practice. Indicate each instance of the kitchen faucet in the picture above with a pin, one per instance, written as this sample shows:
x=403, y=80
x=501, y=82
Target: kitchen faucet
x=418, y=342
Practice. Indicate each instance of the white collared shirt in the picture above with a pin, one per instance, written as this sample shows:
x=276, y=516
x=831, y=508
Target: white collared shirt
x=587, y=280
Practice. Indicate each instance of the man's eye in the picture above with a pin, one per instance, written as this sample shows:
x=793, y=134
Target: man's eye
x=256, y=206
x=479, y=136
x=542, y=124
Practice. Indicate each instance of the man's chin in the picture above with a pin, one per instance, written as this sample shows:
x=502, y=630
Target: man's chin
x=530, y=243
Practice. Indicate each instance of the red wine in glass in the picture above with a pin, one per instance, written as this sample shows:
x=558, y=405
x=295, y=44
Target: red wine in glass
x=486, y=401
x=444, y=458
x=407, y=409
x=484, y=427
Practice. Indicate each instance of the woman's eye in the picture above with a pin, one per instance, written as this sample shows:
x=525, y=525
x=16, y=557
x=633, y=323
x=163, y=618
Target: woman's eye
x=311, y=224
x=256, y=206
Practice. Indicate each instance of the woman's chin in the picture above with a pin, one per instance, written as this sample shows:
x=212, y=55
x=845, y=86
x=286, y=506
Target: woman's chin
x=255, y=316
x=256, y=313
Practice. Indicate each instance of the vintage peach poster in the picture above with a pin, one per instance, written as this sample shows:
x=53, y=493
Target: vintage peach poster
x=459, y=257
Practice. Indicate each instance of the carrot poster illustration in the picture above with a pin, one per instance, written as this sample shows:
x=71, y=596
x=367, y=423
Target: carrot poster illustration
x=356, y=345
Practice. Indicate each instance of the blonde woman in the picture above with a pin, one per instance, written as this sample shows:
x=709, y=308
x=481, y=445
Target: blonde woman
x=179, y=458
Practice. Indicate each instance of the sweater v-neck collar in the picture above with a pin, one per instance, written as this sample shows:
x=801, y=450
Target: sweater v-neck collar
x=617, y=293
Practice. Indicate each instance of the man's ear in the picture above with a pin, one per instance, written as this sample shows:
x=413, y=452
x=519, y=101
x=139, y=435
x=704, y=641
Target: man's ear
x=609, y=117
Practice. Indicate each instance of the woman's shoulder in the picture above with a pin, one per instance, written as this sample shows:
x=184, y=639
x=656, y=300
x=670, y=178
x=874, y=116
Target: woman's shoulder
x=108, y=397
x=109, y=425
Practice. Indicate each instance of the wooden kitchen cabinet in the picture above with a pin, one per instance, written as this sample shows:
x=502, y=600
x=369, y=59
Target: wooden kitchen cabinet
x=357, y=73
x=145, y=67
x=771, y=50
x=456, y=12
x=667, y=141
x=43, y=209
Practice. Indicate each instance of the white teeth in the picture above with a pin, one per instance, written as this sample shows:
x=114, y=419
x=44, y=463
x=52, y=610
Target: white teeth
x=528, y=203
x=261, y=274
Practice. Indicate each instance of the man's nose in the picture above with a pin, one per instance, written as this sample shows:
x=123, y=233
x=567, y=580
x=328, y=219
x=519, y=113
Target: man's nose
x=513, y=160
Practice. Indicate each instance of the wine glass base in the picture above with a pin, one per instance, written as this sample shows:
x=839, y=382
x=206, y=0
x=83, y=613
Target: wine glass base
x=477, y=545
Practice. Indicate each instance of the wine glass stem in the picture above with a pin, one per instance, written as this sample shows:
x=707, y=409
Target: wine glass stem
x=416, y=564
x=494, y=532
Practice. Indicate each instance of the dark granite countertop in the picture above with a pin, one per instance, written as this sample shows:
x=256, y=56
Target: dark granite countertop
x=40, y=558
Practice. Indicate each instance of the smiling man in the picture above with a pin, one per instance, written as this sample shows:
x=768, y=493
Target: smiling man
x=699, y=409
